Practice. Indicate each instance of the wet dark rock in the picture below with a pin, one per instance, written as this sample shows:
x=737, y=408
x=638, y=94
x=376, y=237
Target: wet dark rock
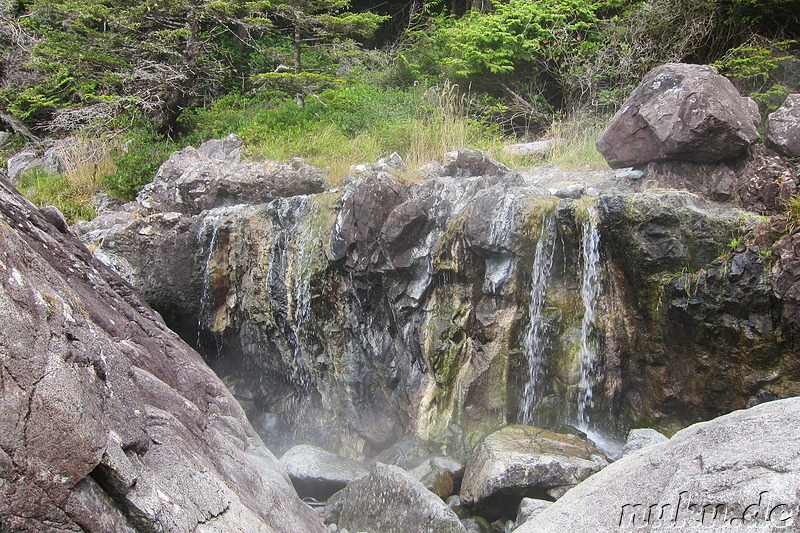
x=787, y=281
x=663, y=233
x=353, y=319
x=738, y=471
x=109, y=422
x=783, y=127
x=366, y=205
x=524, y=461
x=214, y=175
x=680, y=111
x=389, y=500
x=318, y=473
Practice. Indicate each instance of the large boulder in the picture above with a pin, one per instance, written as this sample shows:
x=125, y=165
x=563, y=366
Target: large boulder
x=525, y=461
x=389, y=500
x=108, y=421
x=739, y=472
x=214, y=175
x=366, y=204
x=679, y=111
x=783, y=127
x=319, y=473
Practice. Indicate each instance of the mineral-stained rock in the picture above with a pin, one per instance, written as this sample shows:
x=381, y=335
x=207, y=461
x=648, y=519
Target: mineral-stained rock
x=525, y=461
x=108, y=421
x=657, y=233
x=679, y=111
x=349, y=319
x=389, y=500
x=783, y=127
x=642, y=438
x=213, y=175
x=739, y=472
x=440, y=475
x=319, y=473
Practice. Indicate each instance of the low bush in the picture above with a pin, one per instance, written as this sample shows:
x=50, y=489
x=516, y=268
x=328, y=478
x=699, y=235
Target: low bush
x=140, y=156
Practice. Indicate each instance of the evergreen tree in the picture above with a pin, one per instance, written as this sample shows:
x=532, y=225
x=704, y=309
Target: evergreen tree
x=323, y=22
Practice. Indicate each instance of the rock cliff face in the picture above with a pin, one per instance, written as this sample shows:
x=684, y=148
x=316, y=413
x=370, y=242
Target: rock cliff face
x=465, y=302
x=108, y=421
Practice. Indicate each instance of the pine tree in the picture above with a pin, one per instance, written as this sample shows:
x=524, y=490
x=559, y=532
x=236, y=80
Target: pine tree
x=312, y=23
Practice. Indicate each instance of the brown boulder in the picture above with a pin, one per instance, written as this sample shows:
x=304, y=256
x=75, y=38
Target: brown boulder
x=679, y=111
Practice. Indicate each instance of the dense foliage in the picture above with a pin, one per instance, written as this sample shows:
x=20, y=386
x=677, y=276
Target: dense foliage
x=342, y=80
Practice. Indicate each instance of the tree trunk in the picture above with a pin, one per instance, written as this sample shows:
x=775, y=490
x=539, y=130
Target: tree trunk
x=298, y=67
x=17, y=126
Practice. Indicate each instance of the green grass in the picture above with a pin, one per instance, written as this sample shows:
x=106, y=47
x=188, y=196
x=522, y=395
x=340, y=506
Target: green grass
x=45, y=188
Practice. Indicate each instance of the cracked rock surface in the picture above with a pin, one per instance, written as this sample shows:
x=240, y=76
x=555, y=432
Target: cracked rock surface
x=108, y=421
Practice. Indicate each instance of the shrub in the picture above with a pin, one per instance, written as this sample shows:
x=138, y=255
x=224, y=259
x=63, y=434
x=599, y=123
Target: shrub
x=141, y=155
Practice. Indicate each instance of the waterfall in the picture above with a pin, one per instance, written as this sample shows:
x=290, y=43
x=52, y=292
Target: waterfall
x=588, y=356
x=210, y=224
x=535, y=342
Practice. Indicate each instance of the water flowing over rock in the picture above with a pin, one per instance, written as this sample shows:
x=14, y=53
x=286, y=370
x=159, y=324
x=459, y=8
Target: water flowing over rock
x=449, y=308
x=525, y=461
x=108, y=421
x=739, y=472
x=686, y=112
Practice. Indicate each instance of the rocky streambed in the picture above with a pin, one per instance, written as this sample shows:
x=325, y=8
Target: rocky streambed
x=464, y=351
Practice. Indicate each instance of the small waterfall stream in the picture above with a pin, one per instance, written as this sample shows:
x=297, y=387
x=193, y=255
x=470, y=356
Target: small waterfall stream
x=568, y=395
x=535, y=341
x=210, y=225
x=587, y=357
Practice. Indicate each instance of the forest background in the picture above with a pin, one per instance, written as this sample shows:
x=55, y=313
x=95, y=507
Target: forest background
x=341, y=82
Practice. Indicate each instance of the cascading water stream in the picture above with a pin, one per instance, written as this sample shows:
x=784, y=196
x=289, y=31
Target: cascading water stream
x=210, y=224
x=535, y=341
x=590, y=288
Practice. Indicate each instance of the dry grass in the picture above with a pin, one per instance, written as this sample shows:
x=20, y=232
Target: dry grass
x=86, y=163
x=573, y=146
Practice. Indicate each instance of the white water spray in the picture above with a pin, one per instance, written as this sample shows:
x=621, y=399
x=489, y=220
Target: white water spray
x=588, y=356
x=535, y=341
